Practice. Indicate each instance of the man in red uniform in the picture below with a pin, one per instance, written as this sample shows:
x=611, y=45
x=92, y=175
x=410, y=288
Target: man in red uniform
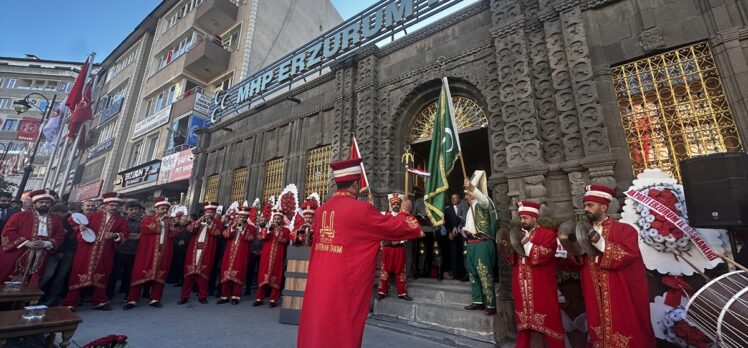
x=614, y=283
x=153, y=256
x=239, y=235
x=393, y=258
x=28, y=237
x=94, y=260
x=534, y=286
x=200, y=253
x=347, y=233
x=275, y=238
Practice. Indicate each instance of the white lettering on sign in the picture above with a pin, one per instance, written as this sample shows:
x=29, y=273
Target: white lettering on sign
x=151, y=122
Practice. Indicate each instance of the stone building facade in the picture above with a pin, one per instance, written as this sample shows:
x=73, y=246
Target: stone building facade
x=543, y=72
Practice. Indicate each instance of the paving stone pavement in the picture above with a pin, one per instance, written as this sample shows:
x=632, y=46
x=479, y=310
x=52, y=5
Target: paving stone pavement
x=210, y=325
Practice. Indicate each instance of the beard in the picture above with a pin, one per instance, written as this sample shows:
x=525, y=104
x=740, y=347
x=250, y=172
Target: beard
x=42, y=209
x=592, y=217
x=526, y=227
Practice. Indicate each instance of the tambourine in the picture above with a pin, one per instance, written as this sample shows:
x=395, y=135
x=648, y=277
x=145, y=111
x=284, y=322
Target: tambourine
x=88, y=235
x=79, y=219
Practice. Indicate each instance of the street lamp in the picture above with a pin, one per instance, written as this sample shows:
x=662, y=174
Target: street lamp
x=21, y=106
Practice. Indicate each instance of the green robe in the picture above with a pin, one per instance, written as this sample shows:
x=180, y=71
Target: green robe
x=481, y=256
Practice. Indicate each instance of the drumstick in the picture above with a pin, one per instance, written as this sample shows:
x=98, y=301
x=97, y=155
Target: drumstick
x=697, y=270
x=732, y=262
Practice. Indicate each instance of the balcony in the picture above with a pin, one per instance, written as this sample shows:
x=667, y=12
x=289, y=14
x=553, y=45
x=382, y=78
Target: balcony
x=207, y=59
x=216, y=16
x=193, y=100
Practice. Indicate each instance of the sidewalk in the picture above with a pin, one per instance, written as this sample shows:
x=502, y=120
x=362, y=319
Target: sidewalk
x=209, y=325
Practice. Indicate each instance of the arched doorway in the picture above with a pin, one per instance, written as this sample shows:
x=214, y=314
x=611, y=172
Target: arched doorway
x=472, y=124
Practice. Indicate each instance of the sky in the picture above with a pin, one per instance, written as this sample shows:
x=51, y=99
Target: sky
x=68, y=30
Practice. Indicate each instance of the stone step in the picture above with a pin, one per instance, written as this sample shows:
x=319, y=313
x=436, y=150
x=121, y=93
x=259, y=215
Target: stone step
x=445, y=317
x=451, y=292
x=428, y=332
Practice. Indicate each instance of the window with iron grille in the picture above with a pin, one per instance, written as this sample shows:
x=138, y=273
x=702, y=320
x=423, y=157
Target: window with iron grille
x=239, y=184
x=673, y=107
x=318, y=170
x=211, y=189
x=273, y=178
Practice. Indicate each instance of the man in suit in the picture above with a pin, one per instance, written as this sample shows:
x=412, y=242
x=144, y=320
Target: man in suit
x=5, y=210
x=454, y=219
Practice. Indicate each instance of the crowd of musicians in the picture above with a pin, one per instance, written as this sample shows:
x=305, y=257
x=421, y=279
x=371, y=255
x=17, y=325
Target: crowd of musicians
x=124, y=248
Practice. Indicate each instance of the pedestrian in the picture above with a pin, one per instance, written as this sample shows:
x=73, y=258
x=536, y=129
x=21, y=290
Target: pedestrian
x=204, y=235
x=275, y=238
x=181, y=238
x=393, y=258
x=153, y=256
x=239, y=236
x=124, y=254
x=454, y=218
x=94, y=257
x=30, y=237
x=534, y=288
x=58, y=266
x=481, y=251
x=347, y=233
x=5, y=208
x=214, y=283
x=614, y=284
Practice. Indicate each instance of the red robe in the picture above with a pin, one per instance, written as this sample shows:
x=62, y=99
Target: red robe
x=534, y=287
x=22, y=227
x=93, y=262
x=616, y=294
x=154, y=252
x=236, y=255
x=202, y=264
x=272, y=256
x=347, y=233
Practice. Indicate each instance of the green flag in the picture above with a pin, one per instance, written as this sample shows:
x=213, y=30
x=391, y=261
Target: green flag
x=445, y=150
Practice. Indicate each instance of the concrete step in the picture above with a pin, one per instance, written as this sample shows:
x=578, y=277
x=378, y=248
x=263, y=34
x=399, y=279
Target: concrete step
x=447, y=291
x=445, y=317
x=428, y=332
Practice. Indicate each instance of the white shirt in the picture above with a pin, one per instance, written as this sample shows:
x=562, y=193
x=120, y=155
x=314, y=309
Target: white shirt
x=42, y=231
x=163, y=231
x=600, y=245
x=528, y=245
x=201, y=239
x=480, y=199
x=457, y=212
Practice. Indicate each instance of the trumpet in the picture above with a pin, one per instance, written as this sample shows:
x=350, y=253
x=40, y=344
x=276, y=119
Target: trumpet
x=240, y=225
x=204, y=220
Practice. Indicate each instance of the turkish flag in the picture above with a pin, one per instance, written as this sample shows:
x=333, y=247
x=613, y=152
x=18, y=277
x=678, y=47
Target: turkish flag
x=82, y=112
x=355, y=153
x=76, y=93
x=28, y=129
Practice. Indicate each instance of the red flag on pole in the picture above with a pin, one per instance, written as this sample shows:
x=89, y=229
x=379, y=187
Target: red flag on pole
x=355, y=153
x=28, y=129
x=76, y=93
x=82, y=112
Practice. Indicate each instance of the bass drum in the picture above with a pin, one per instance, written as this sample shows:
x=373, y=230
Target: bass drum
x=720, y=309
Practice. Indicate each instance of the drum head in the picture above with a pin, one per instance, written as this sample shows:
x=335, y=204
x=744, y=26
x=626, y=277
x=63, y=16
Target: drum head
x=515, y=236
x=88, y=235
x=79, y=219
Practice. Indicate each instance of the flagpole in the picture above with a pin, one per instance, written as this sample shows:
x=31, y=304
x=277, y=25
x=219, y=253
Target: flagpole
x=54, y=152
x=59, y=163
x=75, y=145
x=454, y=124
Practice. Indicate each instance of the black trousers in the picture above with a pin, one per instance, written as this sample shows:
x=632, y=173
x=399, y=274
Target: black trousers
x=252, y=270
x=121, y=271
x=425, y=261
x=457, y=257
x=215, y=276
x=176, y=269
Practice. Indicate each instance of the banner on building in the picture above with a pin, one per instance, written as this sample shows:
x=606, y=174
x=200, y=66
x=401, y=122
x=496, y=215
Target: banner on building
x=28, y=129
x=86, y=191
x=176, y=167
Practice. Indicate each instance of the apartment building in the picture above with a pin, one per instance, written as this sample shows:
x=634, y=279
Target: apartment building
x=38, y=79
x=158, y=85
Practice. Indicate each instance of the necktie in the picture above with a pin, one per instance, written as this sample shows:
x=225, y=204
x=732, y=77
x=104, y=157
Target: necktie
x=2, y=214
